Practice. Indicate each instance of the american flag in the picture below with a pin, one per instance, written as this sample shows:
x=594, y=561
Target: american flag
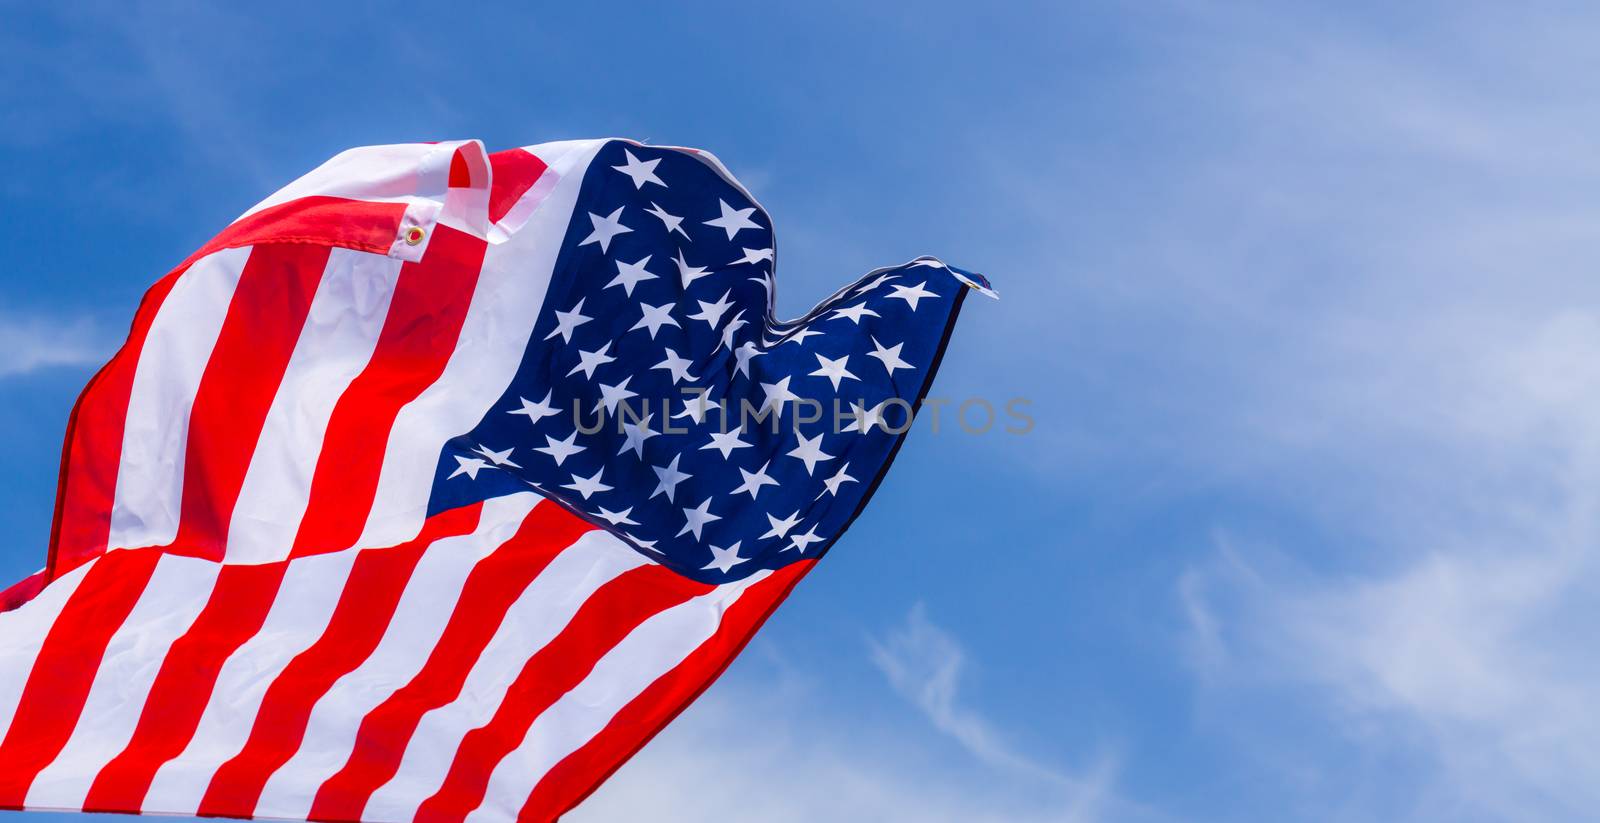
x=439, y=482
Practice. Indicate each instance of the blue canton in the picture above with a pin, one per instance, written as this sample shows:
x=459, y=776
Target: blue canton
x=659, y=398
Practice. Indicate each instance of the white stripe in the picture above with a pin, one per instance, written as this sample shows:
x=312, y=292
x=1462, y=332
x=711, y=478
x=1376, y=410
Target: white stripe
x=311, y=591
x=22, y=634
x=156, y=435
x=517, y=216
x=391, y=173
x=178, y=589
x=533, y=621
x=505, y=305
x=648, y=652
x=340, y=334
x=416, y=174
x=419, y=620
x=305, y=602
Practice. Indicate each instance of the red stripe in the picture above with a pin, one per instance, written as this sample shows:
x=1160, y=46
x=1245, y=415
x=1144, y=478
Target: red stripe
x=616, y=609
x=491, y=589
x=425, y=317
x=259, y=333
x=92, y=451
x=460, y=174
x=580, y=773
x=92, y=455
x=320, y=220
x=23, y=591
x=365, y=608
x=515, y=171
x=64, y=671
x=183, y=686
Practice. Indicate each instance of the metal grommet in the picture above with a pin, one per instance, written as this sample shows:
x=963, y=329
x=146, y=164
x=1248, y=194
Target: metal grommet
x=414, y=235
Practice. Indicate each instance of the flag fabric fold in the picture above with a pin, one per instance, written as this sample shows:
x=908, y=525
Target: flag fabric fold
x=439, y=482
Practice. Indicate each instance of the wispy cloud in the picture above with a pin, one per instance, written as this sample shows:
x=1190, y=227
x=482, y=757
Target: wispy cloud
x=1432, y=429
x=1469, y=663
x=30, y=344
x=924, y=664
x=780, y=748
x=1364, y=304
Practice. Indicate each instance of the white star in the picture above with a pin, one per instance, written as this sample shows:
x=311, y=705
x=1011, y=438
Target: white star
x=536, y=411
x=854, y=313
x=833, y=483
x=634, y=435
x=566, y=321
x=810, y=452
x=800, y=335
x=876, y=282
x=670, y=477
x=588, y=361
x=678, y=366
x=744, y=354
x=470, y=466
x=696, y=518
x=865, y=419
x=753, y=481
x=834, y=370
x=610, y=396
x=696, y=406
x=617, y=518
x=777, y=394
x=629, y=275
x=587, y=485
x=654, y=318
x=765, y=279
x=724, y=559
x=500, y=458
x=673, y=224
x=754, y=256
x=605, y=228
x=780, y=528
x=911, y=294
x=560, y=449
x=726, y=442
x=889, y=357
x=732, y=328
x=687, y=273
x=801, y=541
x=733, y=220
x=712, y=312
x=641, y=172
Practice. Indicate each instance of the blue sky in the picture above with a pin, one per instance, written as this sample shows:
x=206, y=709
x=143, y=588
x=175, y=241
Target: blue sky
x=1303, y=297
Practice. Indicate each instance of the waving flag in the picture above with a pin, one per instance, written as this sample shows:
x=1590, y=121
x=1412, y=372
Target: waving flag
x=439, y=482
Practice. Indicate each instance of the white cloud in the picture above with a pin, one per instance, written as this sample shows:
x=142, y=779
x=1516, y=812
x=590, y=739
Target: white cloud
x=1364, y=303
x=779, y=748
x=924, y=665
x=1478, y=662
x=749, y=757
x=1438, y=437
x=30, y=344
